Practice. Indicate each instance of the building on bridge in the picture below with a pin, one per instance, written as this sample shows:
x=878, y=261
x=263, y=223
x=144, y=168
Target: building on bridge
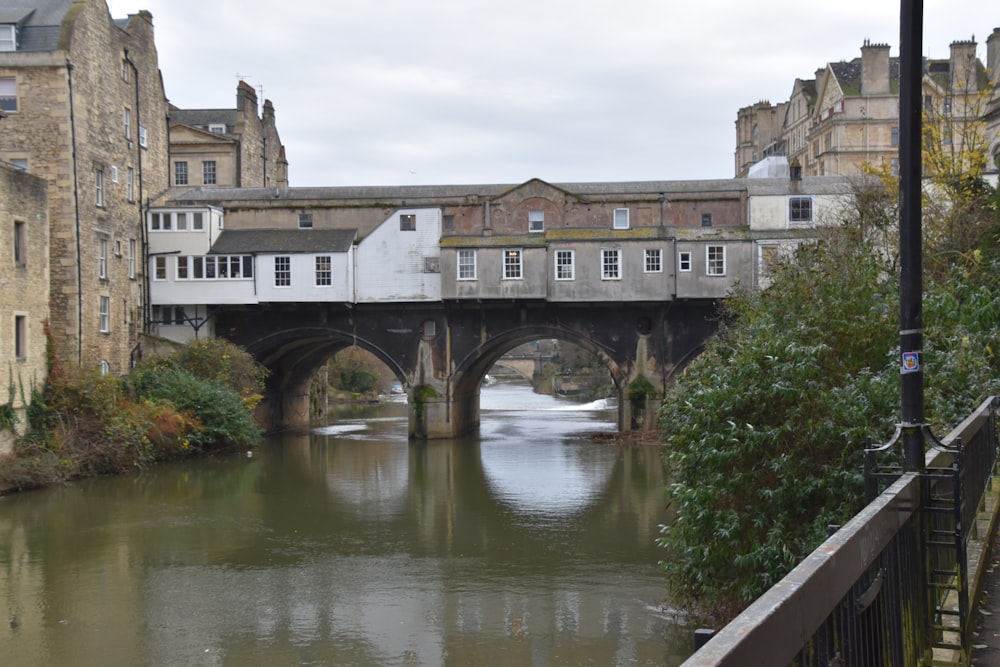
x=440, y=281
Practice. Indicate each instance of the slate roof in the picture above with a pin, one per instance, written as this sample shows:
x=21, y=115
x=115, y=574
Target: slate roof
x=249, y=241
x=849, y=75
x=203, y=117
x=41, y=30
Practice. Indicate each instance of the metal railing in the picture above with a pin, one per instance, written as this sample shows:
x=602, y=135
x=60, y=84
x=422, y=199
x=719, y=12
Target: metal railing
x=890, y=587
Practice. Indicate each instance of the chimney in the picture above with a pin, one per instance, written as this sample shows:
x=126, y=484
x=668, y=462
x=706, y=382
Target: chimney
x=993, y=56
x=874, y=69
x=964, y=74
x=246, y=98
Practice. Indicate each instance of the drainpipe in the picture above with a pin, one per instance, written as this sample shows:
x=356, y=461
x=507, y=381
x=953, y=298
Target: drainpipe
x=76, y=215
x=141, y=209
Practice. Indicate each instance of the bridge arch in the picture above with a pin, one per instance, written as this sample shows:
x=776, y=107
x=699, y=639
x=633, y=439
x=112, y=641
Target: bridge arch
x=293, y=356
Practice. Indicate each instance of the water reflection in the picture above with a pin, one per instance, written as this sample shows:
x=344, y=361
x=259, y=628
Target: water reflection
x=529, y=544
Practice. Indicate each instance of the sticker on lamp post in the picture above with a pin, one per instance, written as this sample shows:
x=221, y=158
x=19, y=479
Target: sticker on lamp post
x=911, y=362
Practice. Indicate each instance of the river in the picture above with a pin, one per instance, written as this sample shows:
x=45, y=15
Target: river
x=529, y=544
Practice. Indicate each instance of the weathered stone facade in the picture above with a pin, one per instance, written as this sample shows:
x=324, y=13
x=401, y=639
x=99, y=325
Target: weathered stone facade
x=24, y=285
x=227, y=148
x=848, y=116
x=91, y=120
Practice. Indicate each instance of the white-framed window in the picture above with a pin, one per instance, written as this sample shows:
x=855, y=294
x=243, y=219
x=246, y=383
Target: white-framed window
x=536, y=221
x=654, y=260
x=142, y=136
x=305, y=220
x=20, y=243
x=217, y=128
x=159, y=268
x=99, y=187
x=208, y=172
x=467, y=264
x=512, y=264
x=182, y=269
x=20, y=337
x=180, y=172
x=104, y=316
x=216, y=267
x=114, y=174
x=565, y=269
x=125, y=68
x=621, y=218
x=283, y=271
x=800, y=209
x=131, y=259
x=715, y=260
x=611, y=263
x=407, y=222
x=128, y=123
x=102, y=257
x=324, y=271
x=130, y=183
x=104, y=367
x=8, y=94
x=684, y=261
x=197, y=220
x=8, y=38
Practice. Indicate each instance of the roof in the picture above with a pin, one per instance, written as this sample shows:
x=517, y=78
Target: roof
x=203, y=117
x=248, y=241
x=40, y=32
x=849, y=75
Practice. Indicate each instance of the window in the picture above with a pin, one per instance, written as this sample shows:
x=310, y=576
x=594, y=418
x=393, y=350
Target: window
x=564, y=265
x=448, y=223
x=142, y=136
x=283, y=271
x=946, y=105
x=621, y=218
x=102, y=258
x=324, y=272
x=20, y=163
x=217, y=128
x=99, y=187
x=180, y=173
x=684, y=261
x=197, y=220
x=654, y=260
x=182, y=272
x=7, y=38
x=128, y=123
x=894, y=136
x=8, y=93
x=407, y=222
x=466, y=264
x=305, y=221
x=130, y=183
x=213, y=267
x=706, y=219
x=159, y=268
x=536, y=221
x=104, y=367
x=800, y=209
x=21, y=337
x=118, y=247
x=208, y=172
x=125, y=69
x=611, y=260
x=20, y=244
x=131, y=259
x=715, y=260
x=114, y=174
x=512, y=264
x=104, y=315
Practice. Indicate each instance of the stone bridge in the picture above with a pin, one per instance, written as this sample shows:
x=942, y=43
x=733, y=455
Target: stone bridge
x=441, y=351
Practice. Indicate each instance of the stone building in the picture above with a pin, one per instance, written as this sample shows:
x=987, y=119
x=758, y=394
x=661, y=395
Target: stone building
x=227, y=148
x=848, y=115
x=86, y=112
x=24, y=280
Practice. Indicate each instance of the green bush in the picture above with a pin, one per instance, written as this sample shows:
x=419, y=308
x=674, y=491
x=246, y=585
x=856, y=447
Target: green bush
x=220, y=417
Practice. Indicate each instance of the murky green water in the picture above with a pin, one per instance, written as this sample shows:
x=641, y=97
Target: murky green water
x=530, y=544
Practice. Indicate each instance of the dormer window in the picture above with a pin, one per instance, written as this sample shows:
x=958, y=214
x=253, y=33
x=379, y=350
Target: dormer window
x=217, y=128
x=8, y=38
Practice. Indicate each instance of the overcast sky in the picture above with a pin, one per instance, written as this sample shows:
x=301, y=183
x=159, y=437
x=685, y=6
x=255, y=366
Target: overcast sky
x=402, y=92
